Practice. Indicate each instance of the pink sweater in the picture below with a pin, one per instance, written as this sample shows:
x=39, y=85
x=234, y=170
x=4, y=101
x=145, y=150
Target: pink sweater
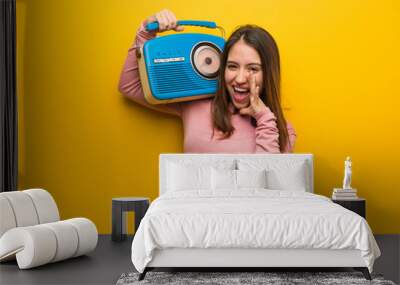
x=197, y=119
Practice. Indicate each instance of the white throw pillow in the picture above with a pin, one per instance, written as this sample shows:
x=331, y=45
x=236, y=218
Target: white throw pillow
x=290, y=179
x=251, y=178
x=223, y=179
x=193, y=174
x=181, y=177
x=281, y=174
x=237, y=179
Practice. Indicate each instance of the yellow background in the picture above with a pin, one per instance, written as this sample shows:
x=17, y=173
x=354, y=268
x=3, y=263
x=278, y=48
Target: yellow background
x=85, y=143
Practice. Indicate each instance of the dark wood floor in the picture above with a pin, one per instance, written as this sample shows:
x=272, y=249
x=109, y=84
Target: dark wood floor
x=111, y=259
x=103, y=266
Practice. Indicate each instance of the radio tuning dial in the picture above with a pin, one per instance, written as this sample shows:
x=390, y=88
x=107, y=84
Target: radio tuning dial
x=206, y=59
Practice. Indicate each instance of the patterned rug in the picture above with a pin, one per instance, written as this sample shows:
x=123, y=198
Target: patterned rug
x=243, y=278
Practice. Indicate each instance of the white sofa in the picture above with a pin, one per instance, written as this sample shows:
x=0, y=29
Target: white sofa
x=31, y=231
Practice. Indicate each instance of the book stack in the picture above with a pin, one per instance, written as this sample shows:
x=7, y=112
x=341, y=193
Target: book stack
x=344, y=194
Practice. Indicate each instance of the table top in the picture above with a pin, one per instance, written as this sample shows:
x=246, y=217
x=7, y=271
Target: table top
x=355, y=199
x=130, y=199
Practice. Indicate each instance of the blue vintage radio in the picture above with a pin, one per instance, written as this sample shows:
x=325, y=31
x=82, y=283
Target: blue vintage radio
x=180, y=67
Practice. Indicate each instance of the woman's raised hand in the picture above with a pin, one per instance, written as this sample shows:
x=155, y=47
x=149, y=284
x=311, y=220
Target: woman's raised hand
x=256, y=104
x=166, y=21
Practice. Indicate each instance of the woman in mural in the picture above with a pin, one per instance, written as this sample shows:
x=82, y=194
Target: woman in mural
x=245, y=116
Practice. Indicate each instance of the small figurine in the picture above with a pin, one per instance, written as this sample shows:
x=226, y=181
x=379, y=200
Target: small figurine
x=347, y=174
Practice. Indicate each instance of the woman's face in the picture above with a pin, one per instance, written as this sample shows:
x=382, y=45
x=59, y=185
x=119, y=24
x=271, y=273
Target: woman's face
x=243, y=63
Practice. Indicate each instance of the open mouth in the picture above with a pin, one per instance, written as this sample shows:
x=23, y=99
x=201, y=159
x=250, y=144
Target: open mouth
x=240, y=95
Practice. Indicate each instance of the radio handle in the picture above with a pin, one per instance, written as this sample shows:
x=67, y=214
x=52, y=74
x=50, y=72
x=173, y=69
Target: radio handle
x=207, y=24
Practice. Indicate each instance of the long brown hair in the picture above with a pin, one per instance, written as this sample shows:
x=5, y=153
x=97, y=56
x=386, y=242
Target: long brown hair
x=265, y=45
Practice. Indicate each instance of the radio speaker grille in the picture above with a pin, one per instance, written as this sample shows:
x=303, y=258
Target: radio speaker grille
x=177, y=78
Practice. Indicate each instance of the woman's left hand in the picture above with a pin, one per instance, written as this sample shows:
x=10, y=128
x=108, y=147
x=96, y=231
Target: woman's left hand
x=256, y=104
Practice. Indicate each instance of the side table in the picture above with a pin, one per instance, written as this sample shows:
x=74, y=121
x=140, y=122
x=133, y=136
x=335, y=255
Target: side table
x=356, y=205
x=120, y=206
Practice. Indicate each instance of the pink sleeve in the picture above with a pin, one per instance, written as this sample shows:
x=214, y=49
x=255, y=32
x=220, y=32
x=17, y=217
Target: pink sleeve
x=292, y=138
x=267, y=134
x=129, y=82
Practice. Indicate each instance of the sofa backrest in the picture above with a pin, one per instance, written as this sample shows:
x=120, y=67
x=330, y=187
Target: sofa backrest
x=26, y=208
x=282, y=163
